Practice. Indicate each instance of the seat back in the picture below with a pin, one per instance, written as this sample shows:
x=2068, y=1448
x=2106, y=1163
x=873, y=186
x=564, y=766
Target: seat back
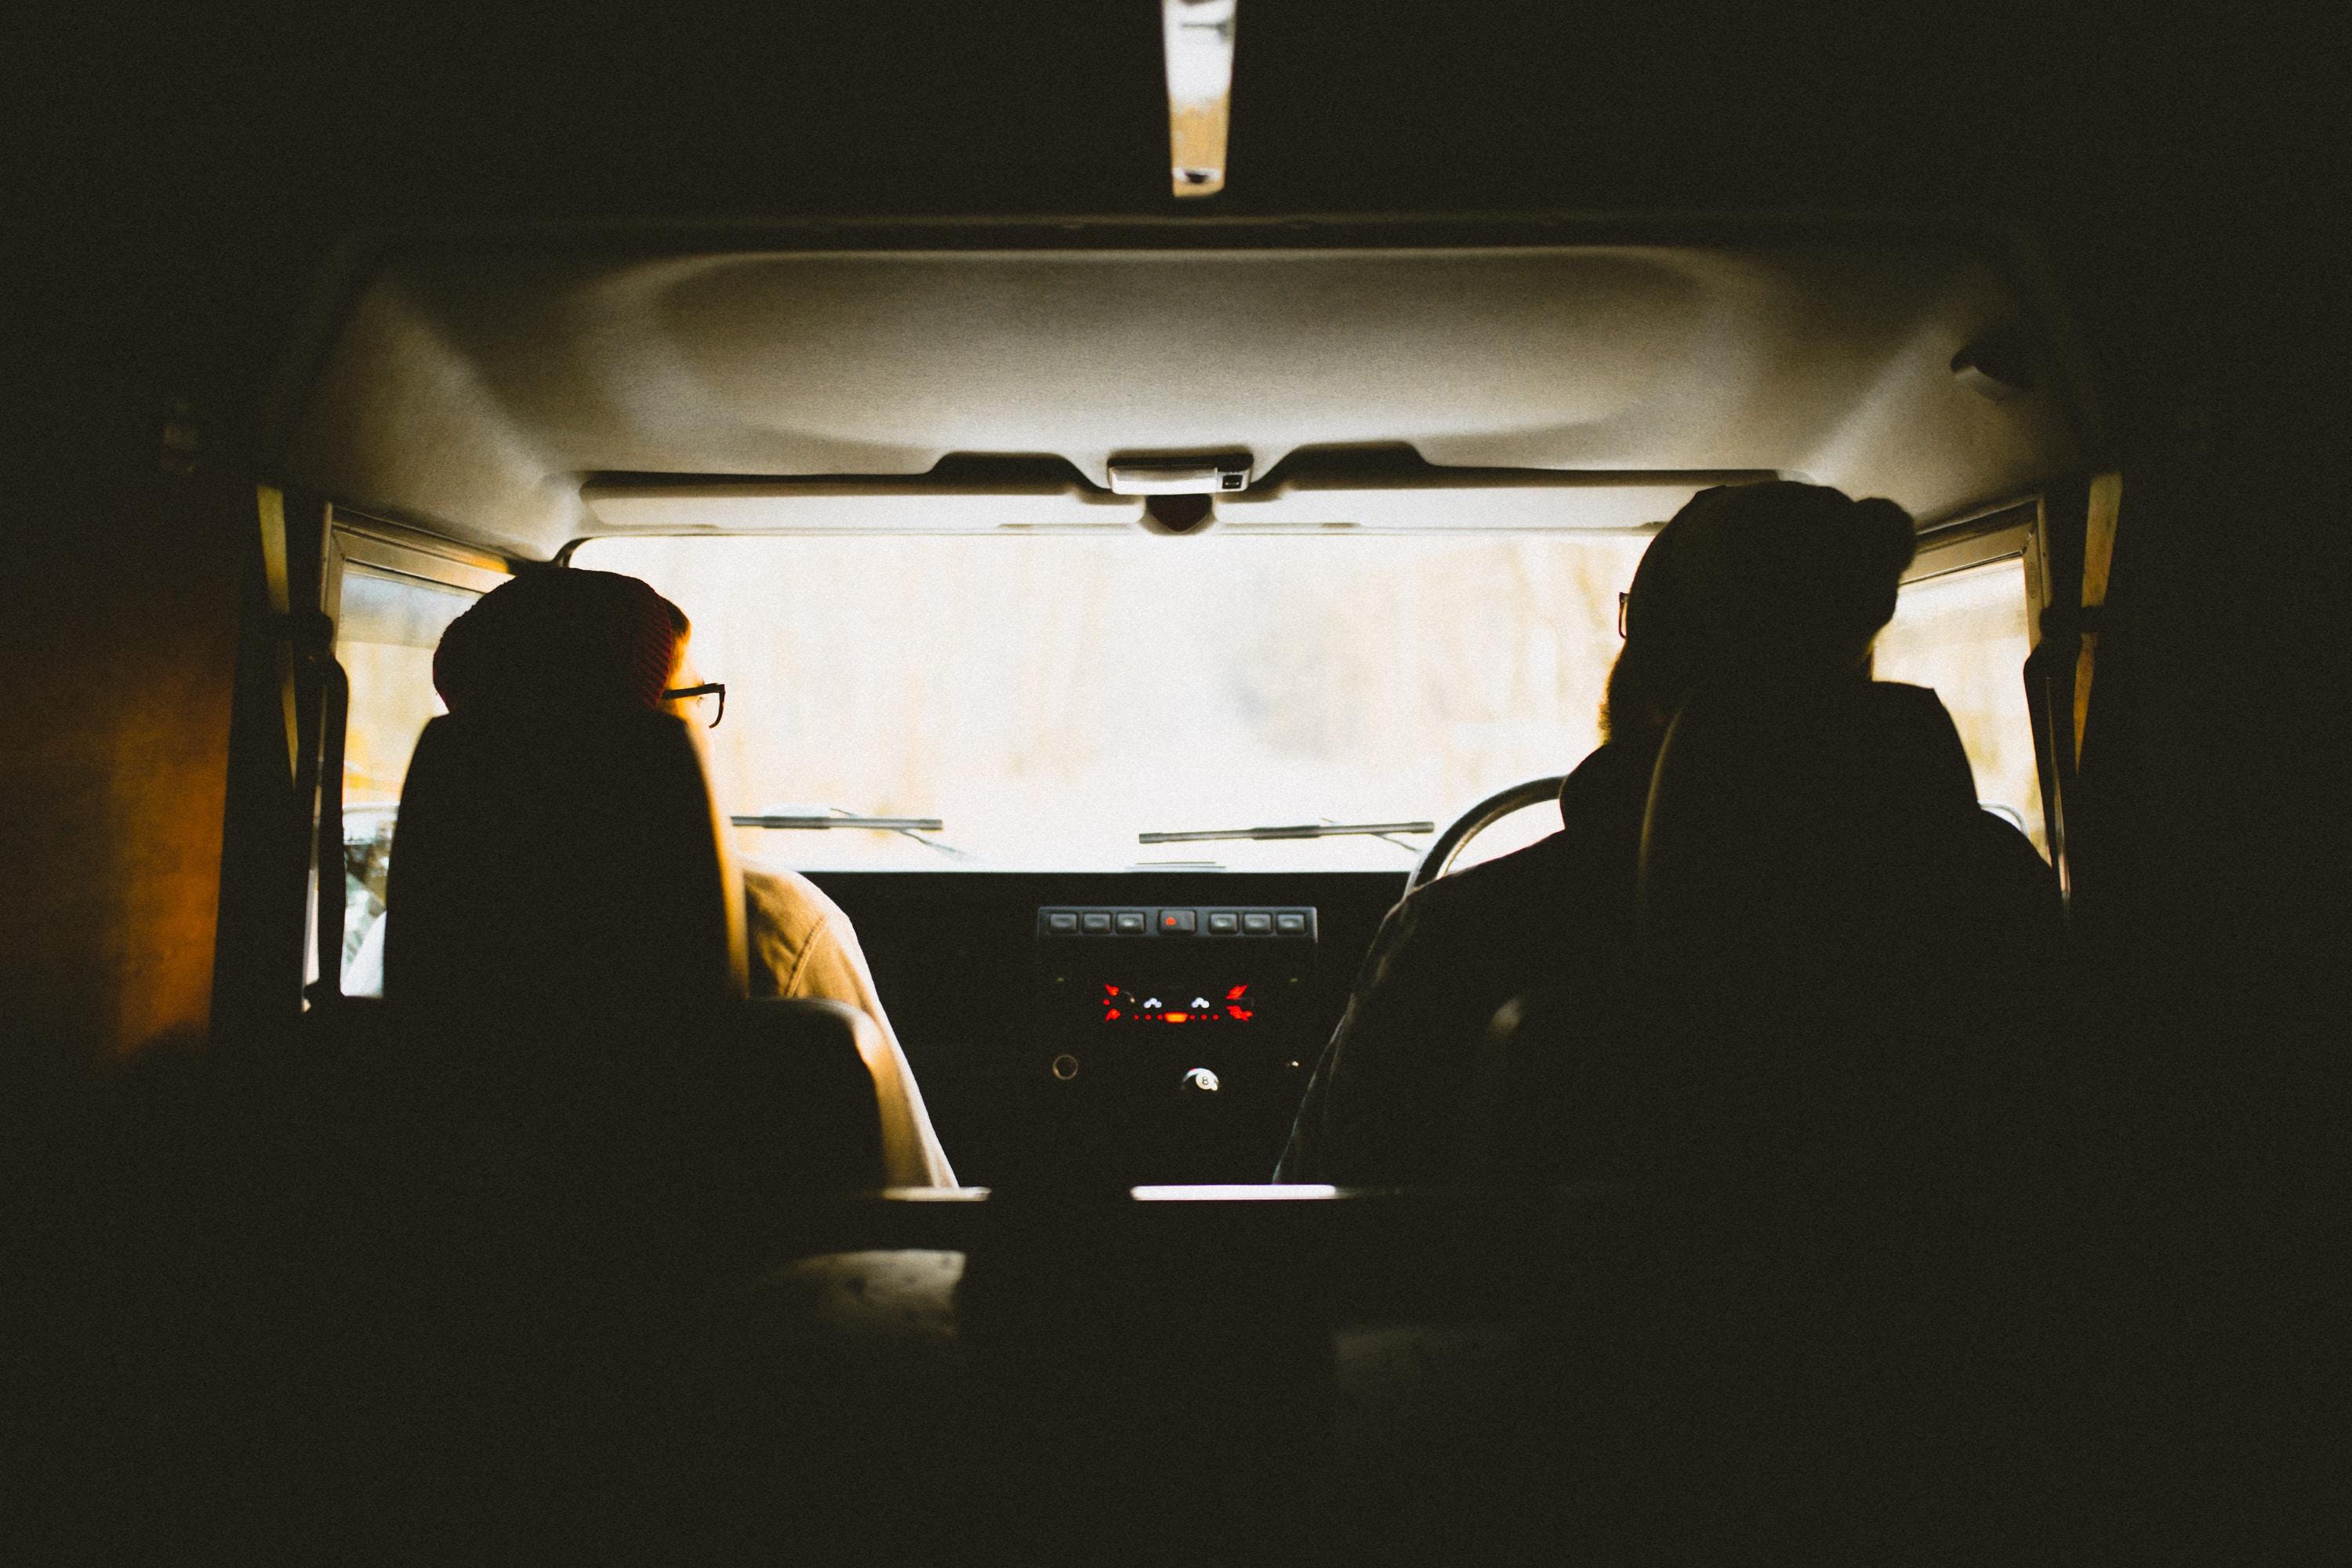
x=576, y=864
x=1810, y=873
x=1776, y=819
x=1806, y=1071
x=564, y=986
x=624, y=1144
x=1823, y=931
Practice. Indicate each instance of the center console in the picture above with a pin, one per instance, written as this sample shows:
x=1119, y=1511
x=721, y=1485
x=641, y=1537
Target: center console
x=1113, y=1027
x=1182, y=1030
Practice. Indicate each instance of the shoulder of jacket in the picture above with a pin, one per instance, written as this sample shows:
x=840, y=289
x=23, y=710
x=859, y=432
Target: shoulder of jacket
x=791, y=901
x=1506, y=882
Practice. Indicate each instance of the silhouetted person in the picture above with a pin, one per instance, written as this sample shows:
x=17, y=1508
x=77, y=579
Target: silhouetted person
x=1766, y=598
x=573, y=642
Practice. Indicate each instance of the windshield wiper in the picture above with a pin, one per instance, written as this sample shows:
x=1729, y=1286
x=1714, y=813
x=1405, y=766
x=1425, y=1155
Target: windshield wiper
x=1387, y=830
x=831, y=816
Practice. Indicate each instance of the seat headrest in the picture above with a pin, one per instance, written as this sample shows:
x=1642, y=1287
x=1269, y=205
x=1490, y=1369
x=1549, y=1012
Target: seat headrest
x=1789, y=806
x=573, y=864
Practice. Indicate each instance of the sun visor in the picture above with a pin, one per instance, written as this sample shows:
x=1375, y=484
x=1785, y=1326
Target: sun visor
x=1421, y=498
x=917, y=505
x=1472, y=500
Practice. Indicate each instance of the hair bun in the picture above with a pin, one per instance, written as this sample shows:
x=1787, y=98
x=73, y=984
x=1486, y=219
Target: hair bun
x=1885, y=536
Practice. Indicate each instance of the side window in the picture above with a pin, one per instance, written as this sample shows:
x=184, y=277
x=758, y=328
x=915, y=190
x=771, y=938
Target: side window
x=1963, y=626
x=387, y=623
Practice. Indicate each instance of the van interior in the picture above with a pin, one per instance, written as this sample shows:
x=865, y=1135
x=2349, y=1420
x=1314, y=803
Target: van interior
x=1121, y=603
x=888, y=484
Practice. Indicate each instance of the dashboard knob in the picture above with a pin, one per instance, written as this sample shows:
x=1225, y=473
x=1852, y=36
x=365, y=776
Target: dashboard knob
x=1201, y=1080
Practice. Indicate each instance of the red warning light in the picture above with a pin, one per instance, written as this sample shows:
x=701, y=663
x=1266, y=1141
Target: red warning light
x=1110, y=1014
x=1110, y=989
x=1240, y=1015
x=1237, y=993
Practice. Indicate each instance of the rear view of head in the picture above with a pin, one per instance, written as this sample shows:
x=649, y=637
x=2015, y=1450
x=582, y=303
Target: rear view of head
x=561, y=642
x=1769, y=584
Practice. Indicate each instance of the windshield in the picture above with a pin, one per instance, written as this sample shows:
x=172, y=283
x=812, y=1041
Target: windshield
x=1049, y=697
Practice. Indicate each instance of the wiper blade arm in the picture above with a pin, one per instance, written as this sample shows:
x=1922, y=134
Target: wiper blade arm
x=913, y=828
x=1293, y=830
x=806, y=823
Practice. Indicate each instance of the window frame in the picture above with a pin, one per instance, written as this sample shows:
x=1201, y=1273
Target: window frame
x=355, y=539
x=1998, y=535
x=389, y=550
x=2016, y=529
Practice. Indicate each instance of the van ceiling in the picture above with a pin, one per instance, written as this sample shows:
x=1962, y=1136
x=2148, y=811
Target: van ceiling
x=476, y=389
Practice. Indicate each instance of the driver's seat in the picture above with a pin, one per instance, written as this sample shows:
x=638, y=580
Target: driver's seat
x=1835, y=964
x=1812, y=1077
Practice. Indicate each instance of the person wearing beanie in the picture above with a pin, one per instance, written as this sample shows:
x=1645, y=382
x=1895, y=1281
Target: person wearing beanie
x=1771, y=587
x=574, y=641
x=1780, y=583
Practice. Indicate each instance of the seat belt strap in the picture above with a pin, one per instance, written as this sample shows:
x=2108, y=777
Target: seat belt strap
x=326, y=855
x=2107, y=495
x=270, y=504
x=307, y=665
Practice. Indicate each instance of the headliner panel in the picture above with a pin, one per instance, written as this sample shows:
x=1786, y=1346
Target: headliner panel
x=477, y=391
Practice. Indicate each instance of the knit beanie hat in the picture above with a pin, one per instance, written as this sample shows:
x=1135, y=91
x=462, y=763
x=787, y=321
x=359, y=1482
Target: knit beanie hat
x=1759, y=582
x=560, y=642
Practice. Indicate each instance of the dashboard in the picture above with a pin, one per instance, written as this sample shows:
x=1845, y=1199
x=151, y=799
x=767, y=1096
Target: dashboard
x=1113, y=1027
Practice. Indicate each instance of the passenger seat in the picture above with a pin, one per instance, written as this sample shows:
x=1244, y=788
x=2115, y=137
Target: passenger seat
x=568, y=967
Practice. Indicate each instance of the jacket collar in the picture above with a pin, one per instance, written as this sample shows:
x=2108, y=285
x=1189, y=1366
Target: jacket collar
x=1612, y=781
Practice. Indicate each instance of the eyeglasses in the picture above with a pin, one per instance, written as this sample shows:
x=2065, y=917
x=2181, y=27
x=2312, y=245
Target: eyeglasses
x=709, y=697
x=1620, y=613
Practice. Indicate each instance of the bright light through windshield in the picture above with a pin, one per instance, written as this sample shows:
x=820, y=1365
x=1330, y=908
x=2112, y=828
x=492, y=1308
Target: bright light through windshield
x=1050, y=697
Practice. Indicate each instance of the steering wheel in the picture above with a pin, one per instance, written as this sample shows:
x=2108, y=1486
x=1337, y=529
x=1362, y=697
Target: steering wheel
x=1438, y=858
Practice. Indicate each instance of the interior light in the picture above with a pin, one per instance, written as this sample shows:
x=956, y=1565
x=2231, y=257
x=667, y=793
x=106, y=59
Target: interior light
x=1199, y=35
x=1265, y=1192
x=1179, y=475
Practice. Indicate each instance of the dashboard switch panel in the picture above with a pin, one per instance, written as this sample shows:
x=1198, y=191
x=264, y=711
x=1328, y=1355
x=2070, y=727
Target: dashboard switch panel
x=1193, y=922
